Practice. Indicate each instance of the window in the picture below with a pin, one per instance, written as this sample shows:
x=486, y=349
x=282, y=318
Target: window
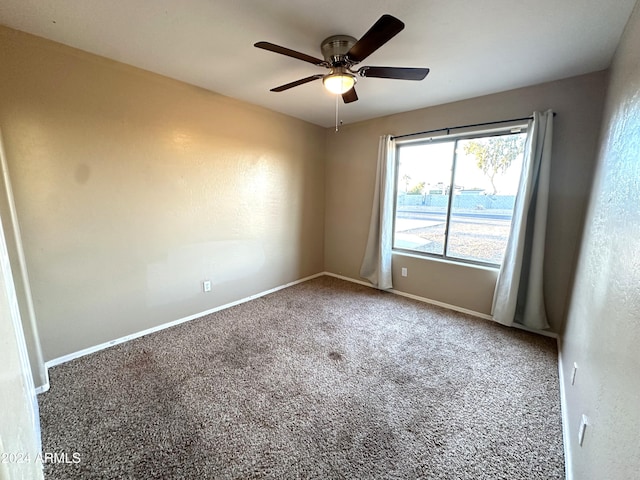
x=455, y=194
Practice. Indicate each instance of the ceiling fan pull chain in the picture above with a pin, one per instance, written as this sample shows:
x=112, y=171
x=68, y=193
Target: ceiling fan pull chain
x=337, y=107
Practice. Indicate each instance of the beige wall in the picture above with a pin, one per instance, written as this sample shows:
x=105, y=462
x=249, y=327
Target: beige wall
x=350, y=174
x=603, y=327
x=131, y=189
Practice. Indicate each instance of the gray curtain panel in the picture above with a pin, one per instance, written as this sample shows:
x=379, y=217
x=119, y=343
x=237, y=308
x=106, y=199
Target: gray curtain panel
x=519, y=296
x=376, y=265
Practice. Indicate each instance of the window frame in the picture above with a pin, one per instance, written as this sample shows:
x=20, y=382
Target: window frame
x=503, y=128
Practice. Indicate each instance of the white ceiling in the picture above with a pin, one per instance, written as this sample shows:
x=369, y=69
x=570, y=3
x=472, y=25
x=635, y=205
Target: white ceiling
x=472, y=47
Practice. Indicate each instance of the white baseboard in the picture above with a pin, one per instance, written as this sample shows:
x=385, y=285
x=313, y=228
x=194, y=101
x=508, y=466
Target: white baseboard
x=349, y=279
x=42, y=389
x=45, y=387
x=568, y=470
x=455, y=308
x=443, y=305
x=415, y=297
x=126, y=338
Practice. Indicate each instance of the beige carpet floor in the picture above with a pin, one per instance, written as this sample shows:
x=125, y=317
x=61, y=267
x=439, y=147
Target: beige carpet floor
x=323, y=380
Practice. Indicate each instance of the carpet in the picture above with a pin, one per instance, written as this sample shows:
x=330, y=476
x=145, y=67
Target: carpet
x=323, y=380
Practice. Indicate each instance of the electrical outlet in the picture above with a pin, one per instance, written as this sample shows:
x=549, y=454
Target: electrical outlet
x=583, y=428
x=206, y=286
x=573, y=374
x=404, y=271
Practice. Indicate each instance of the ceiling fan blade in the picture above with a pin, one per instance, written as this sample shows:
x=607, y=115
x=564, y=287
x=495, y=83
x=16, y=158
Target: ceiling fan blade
x=398, y=73
x=288, y=52
x=350, y=96
x=302, y=81
x=380, y=33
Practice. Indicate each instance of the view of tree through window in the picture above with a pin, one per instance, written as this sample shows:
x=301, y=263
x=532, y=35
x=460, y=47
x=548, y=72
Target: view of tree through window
x=455, y=198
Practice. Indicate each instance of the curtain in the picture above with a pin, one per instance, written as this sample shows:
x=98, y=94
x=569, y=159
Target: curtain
x=519, y=296
x=376, y=265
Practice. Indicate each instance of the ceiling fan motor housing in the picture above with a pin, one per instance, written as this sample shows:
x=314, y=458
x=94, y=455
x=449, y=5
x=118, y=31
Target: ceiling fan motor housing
x=335, y=47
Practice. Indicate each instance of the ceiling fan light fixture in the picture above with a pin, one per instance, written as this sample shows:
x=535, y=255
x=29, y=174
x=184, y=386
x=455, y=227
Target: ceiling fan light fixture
x=339, y=82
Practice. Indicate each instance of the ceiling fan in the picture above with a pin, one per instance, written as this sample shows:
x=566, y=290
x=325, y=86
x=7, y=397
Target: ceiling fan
x=342, y=52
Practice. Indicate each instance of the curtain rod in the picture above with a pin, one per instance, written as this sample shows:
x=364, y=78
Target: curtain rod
x=447, y=129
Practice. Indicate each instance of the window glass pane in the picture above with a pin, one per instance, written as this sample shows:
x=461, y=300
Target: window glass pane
x=424, y=175
x=486, y=183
